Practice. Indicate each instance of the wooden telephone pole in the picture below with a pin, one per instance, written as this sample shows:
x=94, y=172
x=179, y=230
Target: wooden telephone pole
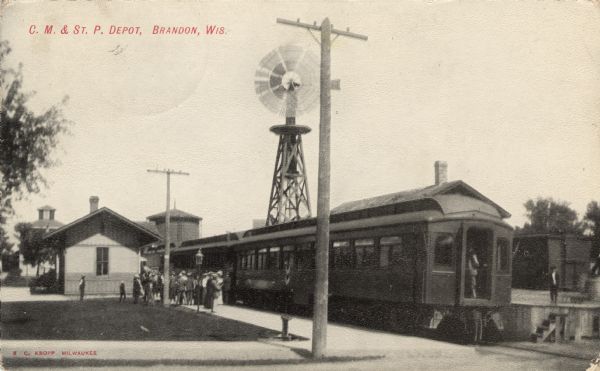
x=167, y=266
x=319, y=335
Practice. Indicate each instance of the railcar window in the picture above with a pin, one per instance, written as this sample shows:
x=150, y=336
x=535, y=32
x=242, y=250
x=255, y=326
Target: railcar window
x=444, y=252
x=391, y=250
x=503, y=251
x=365, y=253
x=305, y=255
x=262, y=259
x=251, y=262
x=342, y=254
x=288, y=256
x=274, y=262
x=241, y=260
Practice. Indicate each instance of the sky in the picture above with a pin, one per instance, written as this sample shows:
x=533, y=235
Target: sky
x=507, y=93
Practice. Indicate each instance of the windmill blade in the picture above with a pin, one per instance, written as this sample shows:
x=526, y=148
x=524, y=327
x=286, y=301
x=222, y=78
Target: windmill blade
x=288, y=68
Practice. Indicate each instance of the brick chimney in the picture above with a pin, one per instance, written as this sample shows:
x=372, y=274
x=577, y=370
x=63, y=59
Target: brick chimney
x=94, y=203
x=441, y=172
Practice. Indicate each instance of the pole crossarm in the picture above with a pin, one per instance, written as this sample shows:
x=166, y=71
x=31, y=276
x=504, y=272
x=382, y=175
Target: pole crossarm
x=168, y=171
x=309, y=26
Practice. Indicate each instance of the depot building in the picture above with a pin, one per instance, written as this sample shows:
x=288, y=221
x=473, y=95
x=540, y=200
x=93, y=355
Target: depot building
x=102, y=245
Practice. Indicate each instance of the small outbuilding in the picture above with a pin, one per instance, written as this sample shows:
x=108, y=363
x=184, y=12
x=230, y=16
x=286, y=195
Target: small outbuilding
x=534, y=254
x=102, y=245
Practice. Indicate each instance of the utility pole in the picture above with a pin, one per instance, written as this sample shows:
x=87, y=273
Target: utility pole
x=319, y=334
x=167, y=266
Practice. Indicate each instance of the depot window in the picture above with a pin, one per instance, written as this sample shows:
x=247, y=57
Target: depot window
x=101, y=261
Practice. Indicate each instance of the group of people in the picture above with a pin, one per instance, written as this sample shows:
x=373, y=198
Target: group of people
x=205, y=289
x=149, y=286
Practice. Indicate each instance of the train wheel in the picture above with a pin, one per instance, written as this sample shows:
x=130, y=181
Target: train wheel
x=393, y=320
x=491, y=333
x=453, y=328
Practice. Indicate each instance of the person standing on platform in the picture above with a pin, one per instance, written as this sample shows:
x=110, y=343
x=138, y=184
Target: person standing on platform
x=81, y=288
x=219, y=292
x=173, y=289
x=596, y=267
x=182, y=284
x=122, y=295
x=161, y=286
x=195, y=284
x=211, y=292
x=227, y=289
x=137, y=288
x=150, y=289
x=189, y=289
x=204, y=284
x=553, y=282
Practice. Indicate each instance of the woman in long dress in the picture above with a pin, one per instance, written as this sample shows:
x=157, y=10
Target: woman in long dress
x=219, y=294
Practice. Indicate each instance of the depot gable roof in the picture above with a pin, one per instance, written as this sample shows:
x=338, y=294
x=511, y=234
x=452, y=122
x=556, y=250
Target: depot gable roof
x=104, y=210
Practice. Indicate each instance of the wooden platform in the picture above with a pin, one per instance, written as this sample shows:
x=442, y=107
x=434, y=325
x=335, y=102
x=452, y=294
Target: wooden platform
x=532, y=314
x=542, y=298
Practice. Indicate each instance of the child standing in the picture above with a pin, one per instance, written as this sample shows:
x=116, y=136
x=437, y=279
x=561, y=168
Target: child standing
x=122, y=292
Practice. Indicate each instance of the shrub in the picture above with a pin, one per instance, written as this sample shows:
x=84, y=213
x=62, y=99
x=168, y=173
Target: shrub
x=45, y=283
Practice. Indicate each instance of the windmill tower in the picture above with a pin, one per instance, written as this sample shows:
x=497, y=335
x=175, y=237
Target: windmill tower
x=287, y=83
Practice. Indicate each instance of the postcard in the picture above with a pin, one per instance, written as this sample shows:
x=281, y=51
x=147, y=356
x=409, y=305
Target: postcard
x=300, y=184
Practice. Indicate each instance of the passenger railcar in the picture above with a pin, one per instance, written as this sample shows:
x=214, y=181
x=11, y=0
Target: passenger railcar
x=396, y=261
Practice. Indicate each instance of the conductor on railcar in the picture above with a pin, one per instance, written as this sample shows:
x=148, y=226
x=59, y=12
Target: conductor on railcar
x=473, y=266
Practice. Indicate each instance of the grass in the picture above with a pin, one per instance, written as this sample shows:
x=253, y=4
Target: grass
x=107, y=319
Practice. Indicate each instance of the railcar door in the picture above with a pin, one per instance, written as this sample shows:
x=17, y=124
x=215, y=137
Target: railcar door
x=503, y=266
x=444, y=244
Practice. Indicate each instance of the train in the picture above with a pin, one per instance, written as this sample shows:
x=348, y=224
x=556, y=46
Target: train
x=400, y=262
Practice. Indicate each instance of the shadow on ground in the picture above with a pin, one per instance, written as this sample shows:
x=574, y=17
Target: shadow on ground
x=107, y=319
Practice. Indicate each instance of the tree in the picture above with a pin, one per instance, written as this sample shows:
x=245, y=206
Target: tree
x=32, y=248
x=26, y=141
x=592, y=220
x=549, y=216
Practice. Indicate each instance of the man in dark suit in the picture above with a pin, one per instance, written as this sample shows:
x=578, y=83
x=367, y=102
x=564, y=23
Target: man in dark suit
x=553, y=281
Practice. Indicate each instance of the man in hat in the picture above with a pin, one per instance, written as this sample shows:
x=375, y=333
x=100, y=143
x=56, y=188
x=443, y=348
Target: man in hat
x=553, y=282
x=137, y=288
x=81, y=288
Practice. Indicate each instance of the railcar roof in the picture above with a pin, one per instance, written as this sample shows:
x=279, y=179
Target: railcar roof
x=448, y=204
x=455, y=197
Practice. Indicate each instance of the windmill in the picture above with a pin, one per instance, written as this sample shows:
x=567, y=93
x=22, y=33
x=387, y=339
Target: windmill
x=287, y=83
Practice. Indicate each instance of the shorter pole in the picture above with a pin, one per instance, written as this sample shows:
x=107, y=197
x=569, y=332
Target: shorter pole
x=285, y=334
